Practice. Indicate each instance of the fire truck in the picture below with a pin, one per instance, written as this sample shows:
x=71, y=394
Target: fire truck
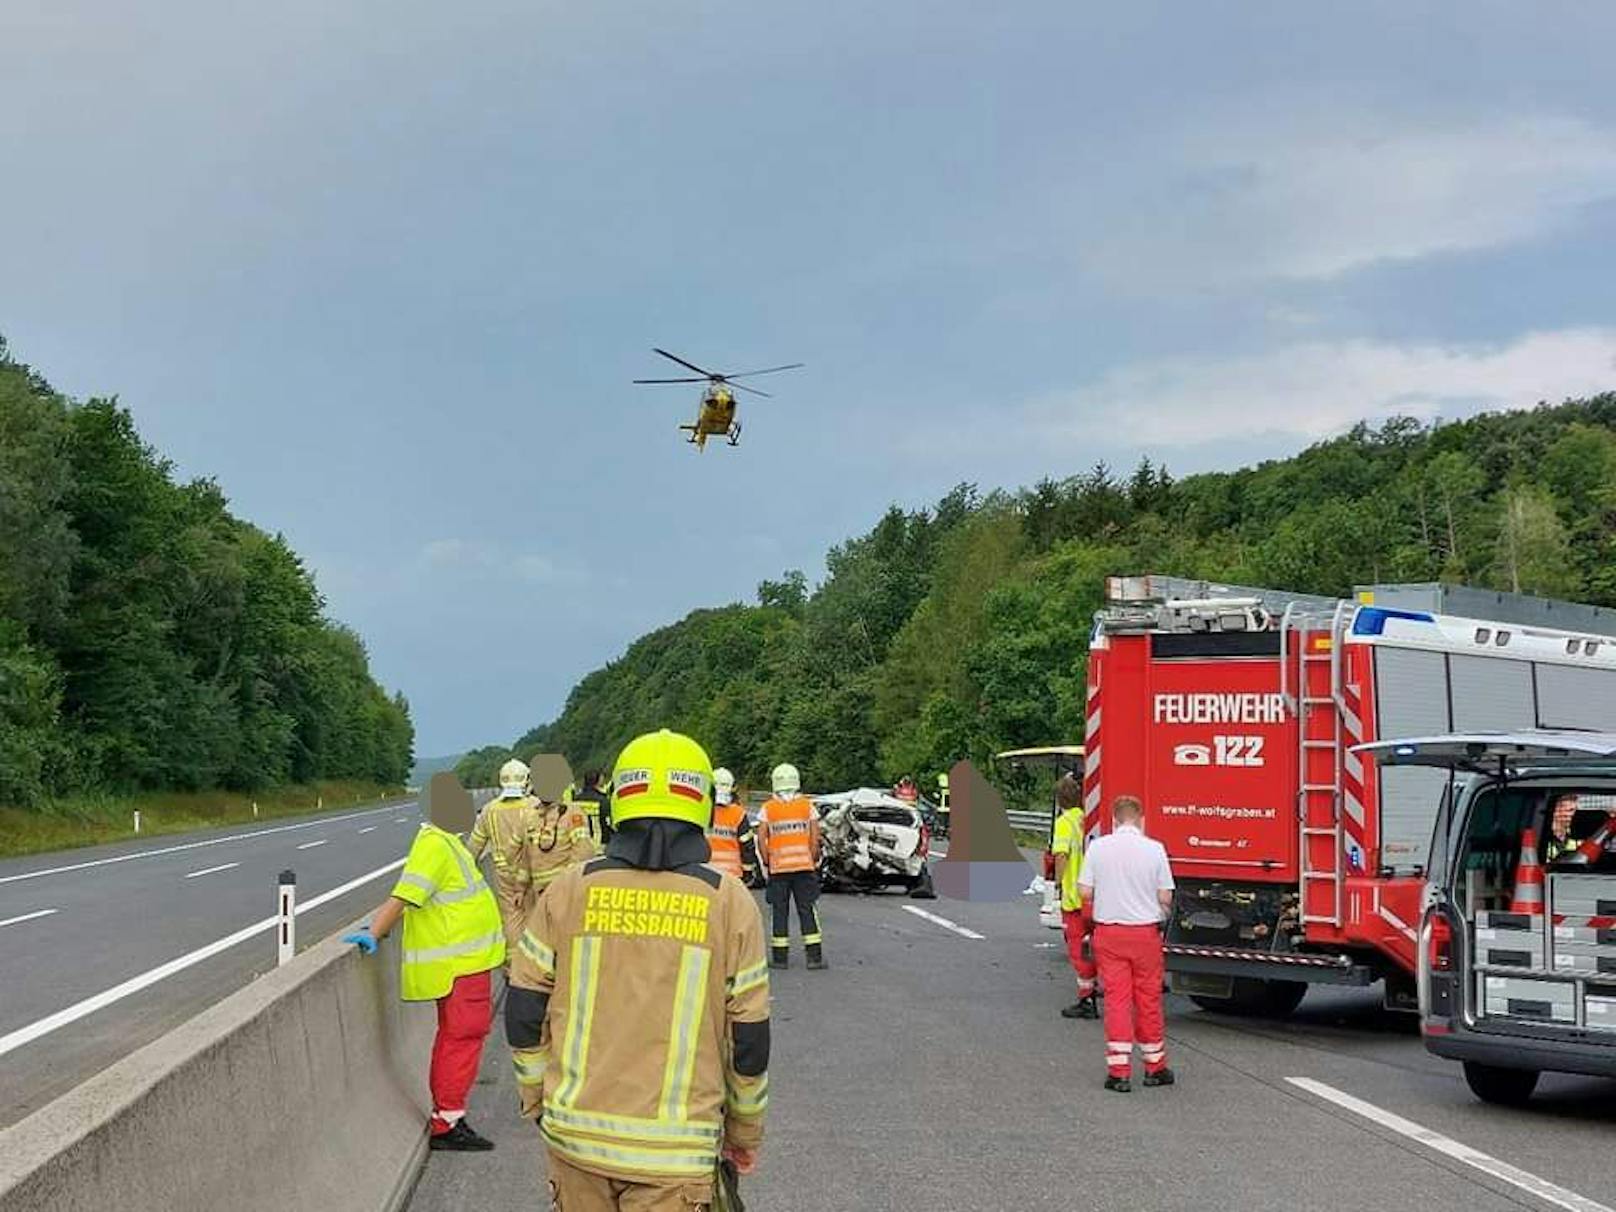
x=1233, y=713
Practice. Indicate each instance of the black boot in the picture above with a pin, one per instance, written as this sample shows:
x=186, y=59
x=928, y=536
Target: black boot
x=1084, y=1007
x=816, y=955
x=461, y=1138
x=779, y=957
x=1162, y=1077
x=1119, y=1084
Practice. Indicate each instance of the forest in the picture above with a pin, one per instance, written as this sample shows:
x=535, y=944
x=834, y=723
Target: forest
x=152, y=641
x=962, y=629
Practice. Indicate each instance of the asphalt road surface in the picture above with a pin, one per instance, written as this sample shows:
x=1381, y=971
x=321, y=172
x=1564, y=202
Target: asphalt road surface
x=930, y=1070
x=106, y=948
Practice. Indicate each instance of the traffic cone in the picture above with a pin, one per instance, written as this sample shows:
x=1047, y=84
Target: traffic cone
x=1590, y=852
x=1528, y=896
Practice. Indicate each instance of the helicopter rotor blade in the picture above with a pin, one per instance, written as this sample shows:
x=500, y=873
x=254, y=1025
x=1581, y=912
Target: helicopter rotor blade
x=746, y=374
x=670, y=380
x=706, y=374
x=744, y=387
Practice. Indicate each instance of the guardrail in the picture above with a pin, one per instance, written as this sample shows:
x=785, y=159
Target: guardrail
x=1038, y=821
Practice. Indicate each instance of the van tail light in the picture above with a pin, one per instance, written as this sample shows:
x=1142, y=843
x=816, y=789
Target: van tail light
x=1440, y=943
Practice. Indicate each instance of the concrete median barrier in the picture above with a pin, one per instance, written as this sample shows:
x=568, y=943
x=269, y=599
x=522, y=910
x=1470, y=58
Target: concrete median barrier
x=305, y=1090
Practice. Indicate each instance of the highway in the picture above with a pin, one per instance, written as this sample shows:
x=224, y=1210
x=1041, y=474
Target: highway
x=931, y=1070
x=106, y=948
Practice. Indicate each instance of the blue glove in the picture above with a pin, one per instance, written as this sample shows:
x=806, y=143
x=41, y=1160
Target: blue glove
x=363, y=939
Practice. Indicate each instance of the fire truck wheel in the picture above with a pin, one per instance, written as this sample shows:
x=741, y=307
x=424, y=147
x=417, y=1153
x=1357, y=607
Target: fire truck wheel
x=1507, y=1087
x=1256, y=999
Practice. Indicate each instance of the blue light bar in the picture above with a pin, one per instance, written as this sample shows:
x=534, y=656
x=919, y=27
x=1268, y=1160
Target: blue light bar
x=1371, y=620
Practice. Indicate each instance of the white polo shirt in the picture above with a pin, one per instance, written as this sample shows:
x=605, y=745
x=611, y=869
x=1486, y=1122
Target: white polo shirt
x=1126, y=869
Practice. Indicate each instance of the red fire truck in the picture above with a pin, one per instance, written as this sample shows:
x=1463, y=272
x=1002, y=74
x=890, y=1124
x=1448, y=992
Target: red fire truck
x=1231, y=712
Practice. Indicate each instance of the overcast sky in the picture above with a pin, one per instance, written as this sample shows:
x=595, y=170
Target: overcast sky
x=385, y=269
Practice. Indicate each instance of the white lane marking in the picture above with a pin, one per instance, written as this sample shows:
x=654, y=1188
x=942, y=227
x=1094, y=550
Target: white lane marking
x=1486, y=1163
x=211, y=870
x=215, y=841
x=943, y=922
x=27, y=1035
x=27, y=917
x=367, y=829
x=399, y=820
x=312, y=845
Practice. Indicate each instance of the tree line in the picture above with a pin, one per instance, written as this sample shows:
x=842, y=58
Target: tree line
x=151, y=640
x=962, y=629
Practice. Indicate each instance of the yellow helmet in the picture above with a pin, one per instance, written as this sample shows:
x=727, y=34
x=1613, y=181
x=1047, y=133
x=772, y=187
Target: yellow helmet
x=663, y=774
x=785, y=779
x=513, y=780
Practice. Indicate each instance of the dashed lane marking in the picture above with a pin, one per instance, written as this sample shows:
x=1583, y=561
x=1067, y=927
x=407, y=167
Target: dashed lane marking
x=212, y=870
x=26, y=917
x=937, y=920
x=312, y=845
x=27, y=1035
x=212, y=841
x=368, y=829
x=1448, y=1147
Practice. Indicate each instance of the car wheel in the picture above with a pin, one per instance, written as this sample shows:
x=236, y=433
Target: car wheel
x=1505, y=1087
x=921, y=889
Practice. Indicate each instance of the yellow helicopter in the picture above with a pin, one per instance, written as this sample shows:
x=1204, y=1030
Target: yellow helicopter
x=716, y=418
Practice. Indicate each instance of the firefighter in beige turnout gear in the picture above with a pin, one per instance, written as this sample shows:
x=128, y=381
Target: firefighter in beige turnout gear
x=502, y=829
x=638, y=1009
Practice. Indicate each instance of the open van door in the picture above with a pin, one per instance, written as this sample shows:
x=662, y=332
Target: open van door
x=1494, y=752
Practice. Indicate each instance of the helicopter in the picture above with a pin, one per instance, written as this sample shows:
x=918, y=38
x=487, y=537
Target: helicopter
x=716, y=417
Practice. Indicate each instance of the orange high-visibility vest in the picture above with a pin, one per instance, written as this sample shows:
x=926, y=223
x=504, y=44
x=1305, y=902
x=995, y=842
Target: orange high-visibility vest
x=788, y=832
x=724, y=837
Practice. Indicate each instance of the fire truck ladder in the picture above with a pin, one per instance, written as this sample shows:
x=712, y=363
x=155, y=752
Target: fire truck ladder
x=1316, y=704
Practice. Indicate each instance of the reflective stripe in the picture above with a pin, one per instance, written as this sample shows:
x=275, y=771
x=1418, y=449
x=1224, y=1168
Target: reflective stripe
x=688, y=1003
x=531, y=1072
x=584, y=975
x=418, y=881
x=538, y=953
x=811, y=939
x=748, y=979
x=470, y=947
x=633, y=1129
x=464, y=894
x=780, y=941
x=635, y=1161
x=751, y=1102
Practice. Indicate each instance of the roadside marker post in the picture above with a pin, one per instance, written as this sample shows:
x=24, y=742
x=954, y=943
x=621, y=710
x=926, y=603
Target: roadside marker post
x=137, y=820
x=286, y=927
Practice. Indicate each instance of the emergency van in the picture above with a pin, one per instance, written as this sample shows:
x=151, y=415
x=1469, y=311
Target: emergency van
x=1234, y=713
x=1517, y=956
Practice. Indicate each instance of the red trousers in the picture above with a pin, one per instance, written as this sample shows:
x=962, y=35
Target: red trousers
x=1131, y=965
x=465, y=1015
x=1075, y=925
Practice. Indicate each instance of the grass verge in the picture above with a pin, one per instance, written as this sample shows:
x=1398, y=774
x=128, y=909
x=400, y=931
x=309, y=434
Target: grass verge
x=92, y=820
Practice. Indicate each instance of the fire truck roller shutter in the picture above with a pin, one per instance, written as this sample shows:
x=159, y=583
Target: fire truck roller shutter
x=1491, y=694
x=1568, y=697
x=1411, y=699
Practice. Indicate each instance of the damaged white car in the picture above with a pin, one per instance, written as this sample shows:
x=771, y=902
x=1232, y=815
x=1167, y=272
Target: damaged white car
x=871, y=840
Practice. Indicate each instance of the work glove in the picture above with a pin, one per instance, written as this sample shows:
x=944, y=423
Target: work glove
x=363, y=939
x=744, y=1160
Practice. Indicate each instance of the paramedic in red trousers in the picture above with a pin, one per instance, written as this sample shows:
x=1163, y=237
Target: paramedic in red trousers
x=453, y=940
x=1128, y=888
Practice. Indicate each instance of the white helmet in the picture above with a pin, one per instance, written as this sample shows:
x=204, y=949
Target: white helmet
x=513, y=780
x=723, y=785
x=786, y=780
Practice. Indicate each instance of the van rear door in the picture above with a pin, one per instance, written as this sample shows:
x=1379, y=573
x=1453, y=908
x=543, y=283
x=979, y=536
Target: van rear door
x=1494, y=752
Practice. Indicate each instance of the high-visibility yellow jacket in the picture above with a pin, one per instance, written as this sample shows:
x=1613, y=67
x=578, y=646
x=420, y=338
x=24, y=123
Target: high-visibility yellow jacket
x=639, y=1019
x=452, y=925
x=1068, y=840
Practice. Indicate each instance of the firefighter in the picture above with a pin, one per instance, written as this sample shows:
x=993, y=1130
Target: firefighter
x=637, y=1109
x=942, y=803
x=730, y=834
x=1128, y=887
x=1067, y=848
x=557, y=835
x=502, y=827
x=788, y=844
x=452, y=942
x=592, y=803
